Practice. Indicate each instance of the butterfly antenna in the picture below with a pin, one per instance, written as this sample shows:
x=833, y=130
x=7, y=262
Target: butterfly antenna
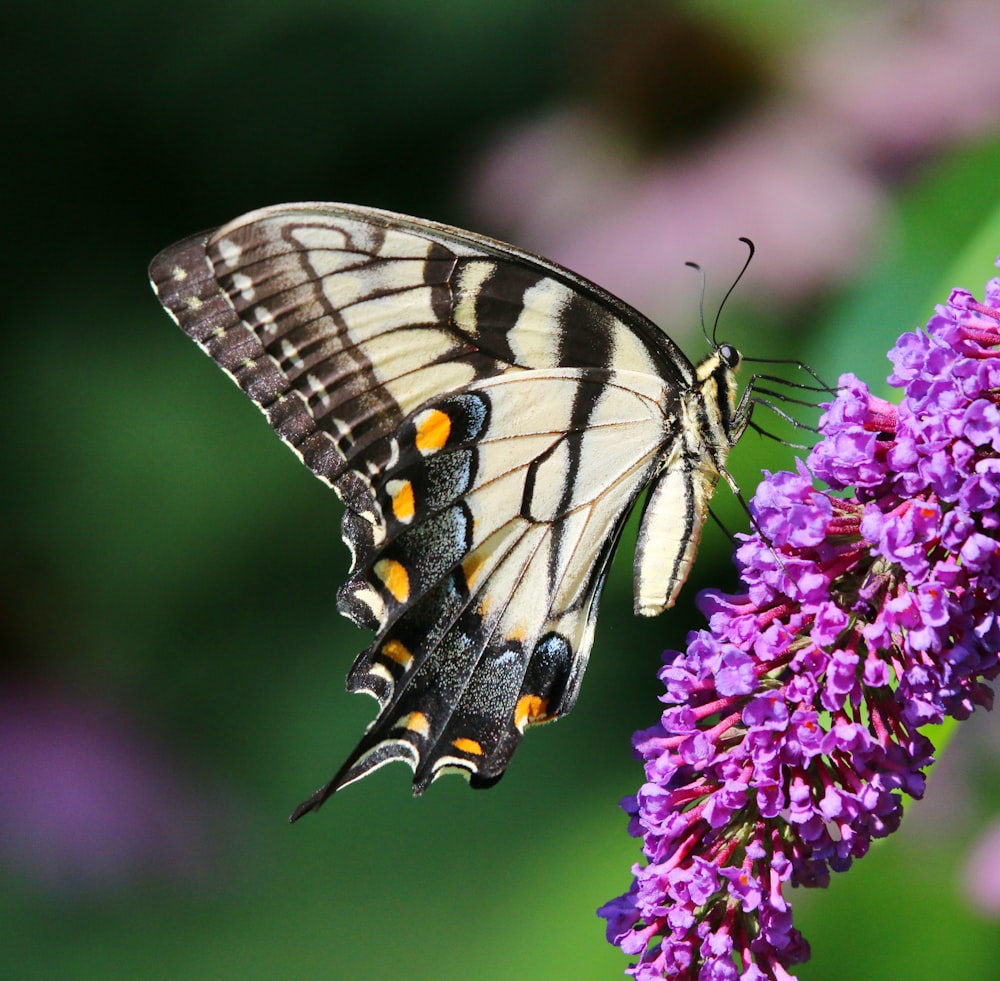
x=701, y=300
x=751, y=249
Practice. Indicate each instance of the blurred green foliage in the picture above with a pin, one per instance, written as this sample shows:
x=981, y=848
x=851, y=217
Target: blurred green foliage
x=165, y=554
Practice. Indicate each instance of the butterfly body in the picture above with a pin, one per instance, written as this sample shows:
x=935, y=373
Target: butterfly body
x=489, y=420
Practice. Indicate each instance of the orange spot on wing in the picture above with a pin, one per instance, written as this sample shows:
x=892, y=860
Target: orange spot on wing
x=415, y=722
x=469, y=746
x=403, y=505
x=529, y=710
x=395, y=578
x=433, y=429
x=397, y=652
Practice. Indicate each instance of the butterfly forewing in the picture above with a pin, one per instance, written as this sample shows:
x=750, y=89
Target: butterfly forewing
x=488, y=419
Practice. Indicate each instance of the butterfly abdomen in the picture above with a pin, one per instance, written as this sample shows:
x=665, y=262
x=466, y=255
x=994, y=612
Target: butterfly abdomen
x=677, y=502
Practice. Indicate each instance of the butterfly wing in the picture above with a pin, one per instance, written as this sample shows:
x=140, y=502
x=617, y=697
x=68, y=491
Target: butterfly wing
x=488, y=419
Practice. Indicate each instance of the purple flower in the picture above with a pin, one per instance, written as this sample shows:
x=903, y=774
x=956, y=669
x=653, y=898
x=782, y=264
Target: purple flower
x=791, y=726
x=89, y=803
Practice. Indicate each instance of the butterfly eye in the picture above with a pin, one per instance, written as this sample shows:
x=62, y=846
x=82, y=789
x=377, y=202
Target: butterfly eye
x=730, y=355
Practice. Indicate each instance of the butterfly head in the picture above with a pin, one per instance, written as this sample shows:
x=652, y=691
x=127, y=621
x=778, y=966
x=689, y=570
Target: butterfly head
x=721, y=366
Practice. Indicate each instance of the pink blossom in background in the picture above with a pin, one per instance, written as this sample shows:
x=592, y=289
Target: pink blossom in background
x=908, y=79
x=631, y=227
x=804, y=177
x=981, y=872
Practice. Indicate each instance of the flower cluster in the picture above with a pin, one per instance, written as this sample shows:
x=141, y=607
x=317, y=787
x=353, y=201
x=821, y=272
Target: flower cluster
x=791, y=726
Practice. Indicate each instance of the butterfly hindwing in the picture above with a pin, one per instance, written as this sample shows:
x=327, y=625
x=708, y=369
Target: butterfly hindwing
x=486, y=581
x=488, y=419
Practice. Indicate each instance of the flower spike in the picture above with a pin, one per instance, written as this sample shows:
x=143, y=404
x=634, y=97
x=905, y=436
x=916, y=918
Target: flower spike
x=791, y=725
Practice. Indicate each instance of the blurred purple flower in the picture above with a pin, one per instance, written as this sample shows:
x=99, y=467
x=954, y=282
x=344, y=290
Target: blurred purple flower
x=793, y=723
x=981, y=873
x=897, y=83
x=87, y=803
x=562, y=188
x=805, y=176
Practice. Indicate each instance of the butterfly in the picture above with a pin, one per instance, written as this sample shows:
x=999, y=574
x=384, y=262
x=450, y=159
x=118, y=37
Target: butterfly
x=489, y=420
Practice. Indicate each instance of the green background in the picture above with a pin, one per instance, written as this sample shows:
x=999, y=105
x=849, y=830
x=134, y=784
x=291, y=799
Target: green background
x=170, y=570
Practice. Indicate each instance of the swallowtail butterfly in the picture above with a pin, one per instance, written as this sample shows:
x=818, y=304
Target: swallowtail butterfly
x=489, y=419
